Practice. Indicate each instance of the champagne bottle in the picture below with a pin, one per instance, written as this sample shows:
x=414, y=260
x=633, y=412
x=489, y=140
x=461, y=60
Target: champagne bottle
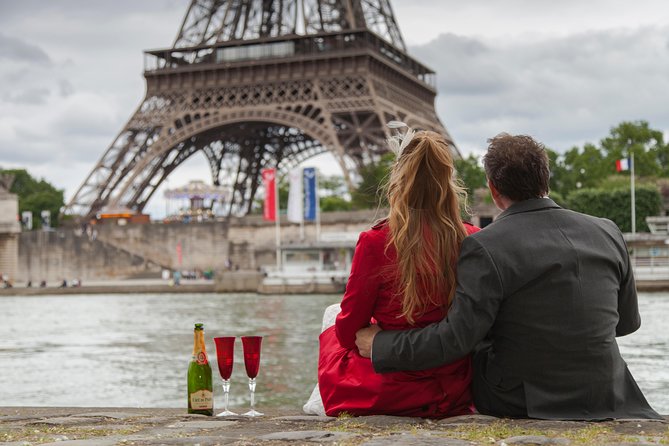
x=200, y=384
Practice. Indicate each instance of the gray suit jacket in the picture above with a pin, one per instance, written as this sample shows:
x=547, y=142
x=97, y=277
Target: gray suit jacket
x=551, y=289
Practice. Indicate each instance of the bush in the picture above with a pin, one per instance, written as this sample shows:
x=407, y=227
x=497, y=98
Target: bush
x=615, y=204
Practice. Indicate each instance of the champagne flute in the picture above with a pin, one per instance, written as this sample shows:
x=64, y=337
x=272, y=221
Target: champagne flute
x=251, y=346
x=225, y=348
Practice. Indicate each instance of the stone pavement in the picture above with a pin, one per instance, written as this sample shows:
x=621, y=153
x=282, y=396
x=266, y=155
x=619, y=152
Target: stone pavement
x=129, y=426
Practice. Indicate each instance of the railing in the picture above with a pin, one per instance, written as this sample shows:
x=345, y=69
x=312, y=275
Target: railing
x=12, y=227
x=298, y=46
x=651, y=268
x=658, y=225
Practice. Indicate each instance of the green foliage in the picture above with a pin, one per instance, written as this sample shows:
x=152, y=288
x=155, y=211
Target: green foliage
x=36, y=196
x=471, y=173
x=615, y=204
x=332, y=185
x=593, y=165
x=647, y=145
x=334, y=203
x=334, y=194
x=284, y=186
x=558, y=199
x=578, y=168
x=369, y=193
x=585, y=179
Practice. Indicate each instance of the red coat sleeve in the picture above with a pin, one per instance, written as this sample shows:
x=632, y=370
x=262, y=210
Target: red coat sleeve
x=471, y=229
x=362, y=288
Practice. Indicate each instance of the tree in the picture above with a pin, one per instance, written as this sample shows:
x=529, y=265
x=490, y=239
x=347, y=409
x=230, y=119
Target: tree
x=650, y=151
x=593, y=165
x=578, y=168
x=36, y=196
x=369, y=193
x=334, y=194
x=471, y=173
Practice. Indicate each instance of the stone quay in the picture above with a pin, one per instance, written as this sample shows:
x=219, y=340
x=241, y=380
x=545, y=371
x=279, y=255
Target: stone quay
x=133, y=426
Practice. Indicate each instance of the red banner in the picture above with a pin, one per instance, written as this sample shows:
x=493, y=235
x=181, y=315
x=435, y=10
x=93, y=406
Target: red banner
x=269, y=180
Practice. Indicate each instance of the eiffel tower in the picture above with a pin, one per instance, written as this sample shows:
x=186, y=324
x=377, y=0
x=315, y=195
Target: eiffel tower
x=264, y=83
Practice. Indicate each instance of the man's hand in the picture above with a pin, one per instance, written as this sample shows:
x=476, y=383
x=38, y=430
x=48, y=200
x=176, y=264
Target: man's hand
x=364, y=339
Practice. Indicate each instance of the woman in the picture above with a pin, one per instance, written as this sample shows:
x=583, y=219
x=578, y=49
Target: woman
x=409, y=290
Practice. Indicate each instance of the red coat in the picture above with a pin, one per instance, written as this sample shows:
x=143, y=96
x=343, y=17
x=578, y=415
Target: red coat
x=348, y=382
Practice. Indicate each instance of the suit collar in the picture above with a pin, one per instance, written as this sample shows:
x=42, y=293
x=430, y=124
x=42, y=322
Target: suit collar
x=533, y=204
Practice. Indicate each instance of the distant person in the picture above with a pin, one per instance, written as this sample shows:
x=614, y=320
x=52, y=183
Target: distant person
x=29, y=284
x=63, y=284
x=542, y=294
x=402, y=276
x=42, y=284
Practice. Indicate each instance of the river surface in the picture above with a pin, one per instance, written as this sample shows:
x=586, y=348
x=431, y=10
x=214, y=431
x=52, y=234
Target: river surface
x=133, y=350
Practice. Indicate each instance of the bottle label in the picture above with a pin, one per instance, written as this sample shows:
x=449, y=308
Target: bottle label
x=202, y=400
x=201, y=358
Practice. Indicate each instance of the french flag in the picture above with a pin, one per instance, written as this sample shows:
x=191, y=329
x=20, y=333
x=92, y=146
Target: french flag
x=623, y=164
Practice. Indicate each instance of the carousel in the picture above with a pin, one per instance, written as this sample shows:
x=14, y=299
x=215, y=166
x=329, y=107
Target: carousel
x=196, y=201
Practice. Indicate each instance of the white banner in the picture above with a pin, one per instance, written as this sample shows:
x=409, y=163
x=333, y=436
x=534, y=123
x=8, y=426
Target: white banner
x=295, y=197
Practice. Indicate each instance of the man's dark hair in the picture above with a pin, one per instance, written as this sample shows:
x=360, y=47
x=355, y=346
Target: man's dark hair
x=517, y=166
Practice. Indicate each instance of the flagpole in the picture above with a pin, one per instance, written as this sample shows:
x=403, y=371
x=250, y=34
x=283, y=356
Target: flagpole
x=302, y=201
x=632, y=193
x=277, y=220
x=318, y=211
x=302, y=228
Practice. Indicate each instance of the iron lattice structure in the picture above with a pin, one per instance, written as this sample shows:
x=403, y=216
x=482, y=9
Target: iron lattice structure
x=264, y=83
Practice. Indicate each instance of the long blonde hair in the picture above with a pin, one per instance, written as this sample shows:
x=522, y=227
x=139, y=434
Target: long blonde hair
x=425, y=224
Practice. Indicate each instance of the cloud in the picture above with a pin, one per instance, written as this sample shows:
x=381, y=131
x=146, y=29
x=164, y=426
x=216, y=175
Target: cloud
x=67, y=130
x=66, y=88
x=70, y=72
x=18, y=50
x=33, y=96
x=564, y=90
x=466, y=66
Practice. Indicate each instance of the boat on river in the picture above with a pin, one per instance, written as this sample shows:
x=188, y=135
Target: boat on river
x=322, y=266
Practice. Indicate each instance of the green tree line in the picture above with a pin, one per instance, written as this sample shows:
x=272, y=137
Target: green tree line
x=35, y=196
x=585, y=179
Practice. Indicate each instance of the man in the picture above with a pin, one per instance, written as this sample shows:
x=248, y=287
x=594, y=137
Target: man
x=542, y=294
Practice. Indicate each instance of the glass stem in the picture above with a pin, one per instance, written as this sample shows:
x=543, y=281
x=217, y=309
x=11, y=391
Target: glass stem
x=252, y=387
x=226, y=392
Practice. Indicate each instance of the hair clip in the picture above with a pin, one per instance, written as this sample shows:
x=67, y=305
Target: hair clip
x=399, y=141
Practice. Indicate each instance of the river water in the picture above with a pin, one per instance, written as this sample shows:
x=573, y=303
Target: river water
x=133, y=350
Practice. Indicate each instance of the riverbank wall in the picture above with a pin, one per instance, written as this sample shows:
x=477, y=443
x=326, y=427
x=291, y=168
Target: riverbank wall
x=112, y=251
x=246, y=244
x=228, y=282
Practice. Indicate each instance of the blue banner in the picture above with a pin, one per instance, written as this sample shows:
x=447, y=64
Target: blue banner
x=310, y=199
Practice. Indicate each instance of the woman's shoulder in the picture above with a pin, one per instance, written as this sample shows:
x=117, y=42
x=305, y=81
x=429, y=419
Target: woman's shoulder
x=379, y=231
x=379, y=228
x=376, y=235
x=471, y=229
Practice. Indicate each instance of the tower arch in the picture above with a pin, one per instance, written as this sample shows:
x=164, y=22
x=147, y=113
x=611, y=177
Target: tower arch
x=333, y=71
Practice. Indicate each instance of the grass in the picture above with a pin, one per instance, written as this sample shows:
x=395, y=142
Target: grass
x=37, y=435
x=486, y=434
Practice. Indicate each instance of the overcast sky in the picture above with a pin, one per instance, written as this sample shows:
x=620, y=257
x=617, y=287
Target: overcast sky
x=565, y=72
